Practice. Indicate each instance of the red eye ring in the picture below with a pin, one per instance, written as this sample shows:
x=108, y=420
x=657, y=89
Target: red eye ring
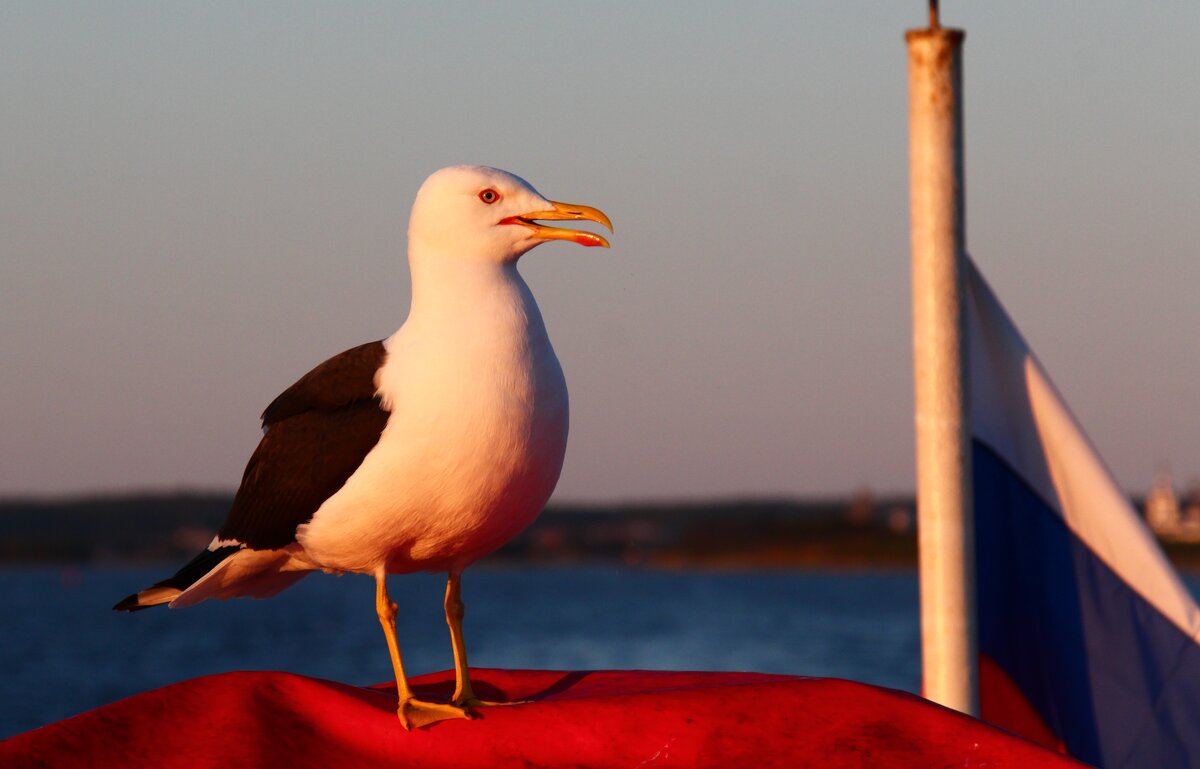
x=489, y=196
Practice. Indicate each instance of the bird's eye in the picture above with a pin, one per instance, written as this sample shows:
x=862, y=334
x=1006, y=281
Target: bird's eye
x=489, y=196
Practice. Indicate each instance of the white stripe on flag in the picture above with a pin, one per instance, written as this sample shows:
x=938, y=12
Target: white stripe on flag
x=1018, y=413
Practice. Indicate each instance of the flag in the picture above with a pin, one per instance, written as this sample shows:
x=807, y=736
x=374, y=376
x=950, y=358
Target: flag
x=1088, y=638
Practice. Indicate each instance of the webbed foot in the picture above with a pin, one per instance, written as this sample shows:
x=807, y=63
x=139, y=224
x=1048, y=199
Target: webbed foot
x=414, y=713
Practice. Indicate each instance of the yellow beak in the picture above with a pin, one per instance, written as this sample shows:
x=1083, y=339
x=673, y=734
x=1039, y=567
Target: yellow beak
x=564, y=212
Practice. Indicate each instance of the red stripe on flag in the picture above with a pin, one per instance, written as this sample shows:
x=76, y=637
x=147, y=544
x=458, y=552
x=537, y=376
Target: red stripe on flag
x=1002, y=703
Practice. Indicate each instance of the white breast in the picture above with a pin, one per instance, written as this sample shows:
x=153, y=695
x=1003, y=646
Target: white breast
x=475, y=442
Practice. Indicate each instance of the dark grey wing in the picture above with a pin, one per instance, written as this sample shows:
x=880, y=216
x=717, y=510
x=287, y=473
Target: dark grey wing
x=316, y=434
x=345, y=378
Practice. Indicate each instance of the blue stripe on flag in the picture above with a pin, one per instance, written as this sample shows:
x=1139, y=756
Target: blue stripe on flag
x=1117, y=681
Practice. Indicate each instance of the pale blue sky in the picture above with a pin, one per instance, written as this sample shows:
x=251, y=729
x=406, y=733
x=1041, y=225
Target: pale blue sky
x=200, y=201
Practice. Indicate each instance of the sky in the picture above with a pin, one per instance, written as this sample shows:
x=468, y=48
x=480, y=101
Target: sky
x=201, y=201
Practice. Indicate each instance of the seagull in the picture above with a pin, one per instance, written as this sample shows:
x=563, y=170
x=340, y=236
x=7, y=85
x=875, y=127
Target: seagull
x=424, y=451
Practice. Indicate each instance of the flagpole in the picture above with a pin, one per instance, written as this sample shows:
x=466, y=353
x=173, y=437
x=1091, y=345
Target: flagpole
x=944, y=508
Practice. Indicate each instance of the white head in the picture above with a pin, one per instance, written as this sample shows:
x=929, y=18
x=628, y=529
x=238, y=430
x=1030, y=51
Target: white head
x=485, y=214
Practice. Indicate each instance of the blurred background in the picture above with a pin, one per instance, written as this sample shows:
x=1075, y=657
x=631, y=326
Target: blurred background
x=200, y=202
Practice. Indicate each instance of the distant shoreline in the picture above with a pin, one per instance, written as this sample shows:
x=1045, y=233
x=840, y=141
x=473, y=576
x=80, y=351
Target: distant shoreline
x=860, y=532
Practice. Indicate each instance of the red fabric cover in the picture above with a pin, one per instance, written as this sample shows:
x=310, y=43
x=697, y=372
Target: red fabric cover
x=596, y=719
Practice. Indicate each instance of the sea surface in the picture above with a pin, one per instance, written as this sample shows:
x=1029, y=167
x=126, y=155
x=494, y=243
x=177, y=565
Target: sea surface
x=64, y=651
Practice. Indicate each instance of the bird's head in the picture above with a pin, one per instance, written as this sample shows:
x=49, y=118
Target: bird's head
x=485, y=214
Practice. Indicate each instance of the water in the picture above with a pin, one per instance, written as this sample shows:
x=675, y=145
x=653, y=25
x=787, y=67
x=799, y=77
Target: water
x=65, y=652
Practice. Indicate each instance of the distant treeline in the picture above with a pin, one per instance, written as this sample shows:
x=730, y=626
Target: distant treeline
x=136, y=527
x=168, y=527
x=855, y=531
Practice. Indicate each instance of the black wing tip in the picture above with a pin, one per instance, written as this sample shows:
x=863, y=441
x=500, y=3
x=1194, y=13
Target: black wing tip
x=129, y=603
x=166, y=590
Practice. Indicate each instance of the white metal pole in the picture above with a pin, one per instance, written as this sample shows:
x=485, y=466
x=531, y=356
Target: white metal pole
x=944, y=508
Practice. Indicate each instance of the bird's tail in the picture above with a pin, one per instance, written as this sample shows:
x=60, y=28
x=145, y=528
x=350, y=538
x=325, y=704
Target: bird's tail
x=168, y=589
x=228, y=571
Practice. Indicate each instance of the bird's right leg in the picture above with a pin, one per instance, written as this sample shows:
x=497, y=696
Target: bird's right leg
x=411, y=711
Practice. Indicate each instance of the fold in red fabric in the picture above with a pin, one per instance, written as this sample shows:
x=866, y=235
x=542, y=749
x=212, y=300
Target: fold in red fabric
x=579, y=719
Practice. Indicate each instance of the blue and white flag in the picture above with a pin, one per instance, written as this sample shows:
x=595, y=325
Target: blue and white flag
x=1081, y=616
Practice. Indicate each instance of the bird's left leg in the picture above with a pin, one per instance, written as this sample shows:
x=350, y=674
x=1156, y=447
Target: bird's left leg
x=464, y=695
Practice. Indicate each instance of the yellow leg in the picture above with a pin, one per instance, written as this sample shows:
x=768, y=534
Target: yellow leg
x=464, y=695
x=411, y=711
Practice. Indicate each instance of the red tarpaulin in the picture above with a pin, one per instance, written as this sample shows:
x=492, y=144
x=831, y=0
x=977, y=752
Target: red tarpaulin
x=581, y=719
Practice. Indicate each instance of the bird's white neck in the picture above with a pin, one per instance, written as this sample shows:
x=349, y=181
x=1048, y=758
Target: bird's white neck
x=455, y=289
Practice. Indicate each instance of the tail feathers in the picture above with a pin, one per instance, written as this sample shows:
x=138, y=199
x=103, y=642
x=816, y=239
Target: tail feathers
x=166, y=590
x=254, y=573
x=151, y=596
